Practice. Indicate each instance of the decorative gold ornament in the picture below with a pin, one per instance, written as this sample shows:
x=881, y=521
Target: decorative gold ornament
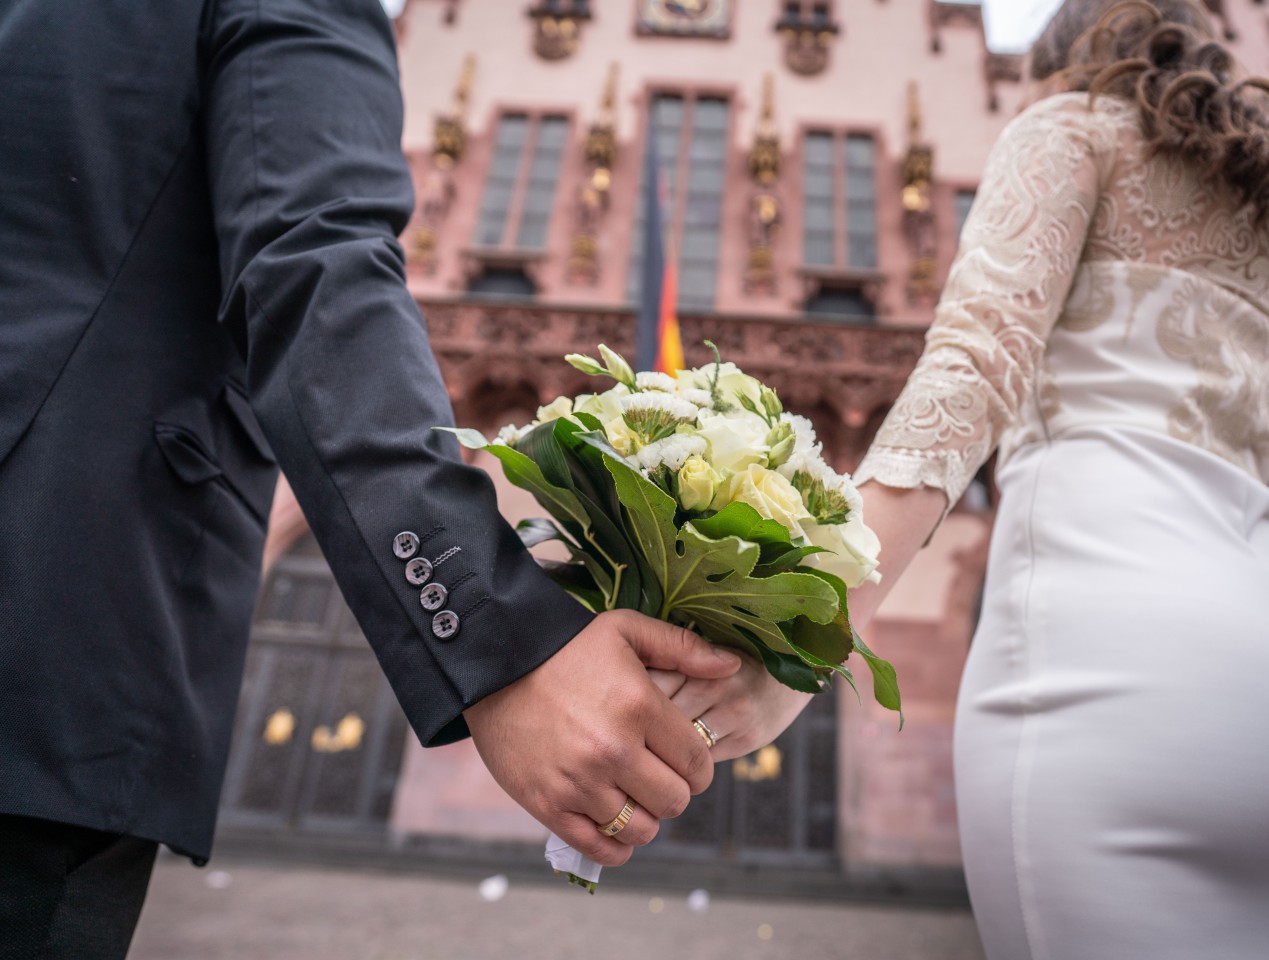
x=767, y=764
x=347, y=735
x=279, y=728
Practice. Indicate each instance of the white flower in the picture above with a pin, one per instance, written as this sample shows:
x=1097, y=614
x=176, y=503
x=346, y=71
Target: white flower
x=671, y=452
x=656, y=415
x=697, y=484
x=699, y=397
x=604, y=406
x=736, y=439
x=624, y=440
x=559, y=407
x=673, y=407
x=854, y=549
x=806, y=449
x=770, y=494
x=510, y=435
x=655, y=380
x=733, y=383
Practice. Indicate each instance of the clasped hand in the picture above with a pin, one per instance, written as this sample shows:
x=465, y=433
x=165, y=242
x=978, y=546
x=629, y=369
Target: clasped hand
x=572, y=739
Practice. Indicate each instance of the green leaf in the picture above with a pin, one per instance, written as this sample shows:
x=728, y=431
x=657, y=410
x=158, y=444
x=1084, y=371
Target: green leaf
x=741, y=520
x=593, y=484
x=706, y=581
x=776, y=558
x=829, y=642
x=540, y=445
x=524, y=473
x=789, y=670
x=578, y=582
x=885, y=683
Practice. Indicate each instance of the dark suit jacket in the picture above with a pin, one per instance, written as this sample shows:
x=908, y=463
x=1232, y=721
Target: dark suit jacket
x=199, y=201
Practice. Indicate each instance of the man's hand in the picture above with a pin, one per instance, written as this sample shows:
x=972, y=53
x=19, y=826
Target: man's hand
x=573, y=738
x=745, y=711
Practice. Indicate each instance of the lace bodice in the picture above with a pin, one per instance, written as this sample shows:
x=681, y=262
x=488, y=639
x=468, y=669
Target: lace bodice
x=1093, y=287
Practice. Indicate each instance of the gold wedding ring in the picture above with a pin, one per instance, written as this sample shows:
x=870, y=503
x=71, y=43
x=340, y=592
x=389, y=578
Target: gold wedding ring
x=618, y=823
x=708, y=735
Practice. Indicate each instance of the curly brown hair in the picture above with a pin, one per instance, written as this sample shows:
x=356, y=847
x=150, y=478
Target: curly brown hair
x=1164, y=55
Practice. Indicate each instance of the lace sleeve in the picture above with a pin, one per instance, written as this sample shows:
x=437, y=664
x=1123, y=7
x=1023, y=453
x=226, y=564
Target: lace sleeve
x=1019, y=250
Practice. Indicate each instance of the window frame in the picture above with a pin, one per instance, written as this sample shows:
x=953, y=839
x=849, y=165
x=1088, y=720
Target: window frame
x=840, y=137
x=675, y=213
x=513, y=215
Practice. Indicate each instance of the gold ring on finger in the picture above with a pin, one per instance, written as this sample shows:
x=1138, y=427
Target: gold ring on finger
x=618, y=823
x=708, y=735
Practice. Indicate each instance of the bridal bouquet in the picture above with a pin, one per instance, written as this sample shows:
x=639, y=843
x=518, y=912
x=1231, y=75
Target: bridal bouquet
x=698, y=500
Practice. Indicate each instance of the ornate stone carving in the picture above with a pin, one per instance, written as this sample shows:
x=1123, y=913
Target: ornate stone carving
x=852, y=370
x=764, y=203
x=600, y=151
x=685, y=18
x=918, y=213
x=557, y=27
x=436, y=183
x=808, y=34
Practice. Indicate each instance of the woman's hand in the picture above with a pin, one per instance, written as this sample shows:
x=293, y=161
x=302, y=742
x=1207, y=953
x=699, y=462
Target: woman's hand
x=745, y=711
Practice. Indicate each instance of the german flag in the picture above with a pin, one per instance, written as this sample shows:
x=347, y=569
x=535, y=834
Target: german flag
x=660, y=346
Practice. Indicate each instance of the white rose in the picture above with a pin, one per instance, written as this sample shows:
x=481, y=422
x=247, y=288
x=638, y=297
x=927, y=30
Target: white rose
x=768, y=493
x=624, y=440
x=736, y=440
x=604, y=406
x=854, y=550
x=733, y=383
x=698, y=482
x=559, y=407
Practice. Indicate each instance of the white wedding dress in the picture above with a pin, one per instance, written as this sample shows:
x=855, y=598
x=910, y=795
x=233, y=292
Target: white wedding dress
x=1106, y=326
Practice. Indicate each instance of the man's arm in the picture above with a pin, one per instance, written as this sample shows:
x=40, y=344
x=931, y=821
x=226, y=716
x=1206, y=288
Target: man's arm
x=309, y=188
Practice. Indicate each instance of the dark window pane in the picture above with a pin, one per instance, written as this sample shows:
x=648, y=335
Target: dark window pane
x=863, y=252
x=539, y=196
x=552, y=132
x=818, y=250
x=861, y=191
x=847, y=304
x=819, y=149
x=511, y=284
x=500, y=183
x=819, y=218
x=532, y=232
x=706, y=146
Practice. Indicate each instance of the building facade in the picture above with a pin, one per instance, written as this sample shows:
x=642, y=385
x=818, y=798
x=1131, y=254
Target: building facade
x=817, y=160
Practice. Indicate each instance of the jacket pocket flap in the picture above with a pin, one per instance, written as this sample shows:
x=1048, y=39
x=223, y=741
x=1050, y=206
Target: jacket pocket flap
x=185, y=454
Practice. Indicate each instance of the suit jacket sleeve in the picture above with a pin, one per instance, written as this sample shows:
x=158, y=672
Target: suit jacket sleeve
x=309, y=190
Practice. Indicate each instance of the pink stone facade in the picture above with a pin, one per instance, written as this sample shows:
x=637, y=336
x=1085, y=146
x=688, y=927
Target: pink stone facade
x=914, y=75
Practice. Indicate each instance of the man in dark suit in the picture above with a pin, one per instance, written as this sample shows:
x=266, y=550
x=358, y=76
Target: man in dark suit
x=199, y=276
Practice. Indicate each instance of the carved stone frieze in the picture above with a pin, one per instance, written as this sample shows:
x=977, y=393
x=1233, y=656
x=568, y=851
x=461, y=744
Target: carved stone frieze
x=808, y=30
x=489, y=350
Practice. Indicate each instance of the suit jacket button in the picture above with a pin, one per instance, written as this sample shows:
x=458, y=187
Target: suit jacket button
x=418, y=571
x=445, y=624
x=433, y=596
x=405, y=544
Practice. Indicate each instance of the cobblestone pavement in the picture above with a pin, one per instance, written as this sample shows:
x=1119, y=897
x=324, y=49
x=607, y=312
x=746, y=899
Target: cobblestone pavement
x=250, y=911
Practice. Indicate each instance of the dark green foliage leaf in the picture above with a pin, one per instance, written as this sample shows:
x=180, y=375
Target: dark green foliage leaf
x=885, y=683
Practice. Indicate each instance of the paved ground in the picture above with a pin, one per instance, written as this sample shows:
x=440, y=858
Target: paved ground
x=249, y=911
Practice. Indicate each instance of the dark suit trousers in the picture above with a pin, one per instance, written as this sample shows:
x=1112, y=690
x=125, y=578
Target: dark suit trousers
x=69, y=893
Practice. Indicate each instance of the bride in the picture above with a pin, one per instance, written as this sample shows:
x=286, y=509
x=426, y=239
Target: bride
x=1106, y=328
